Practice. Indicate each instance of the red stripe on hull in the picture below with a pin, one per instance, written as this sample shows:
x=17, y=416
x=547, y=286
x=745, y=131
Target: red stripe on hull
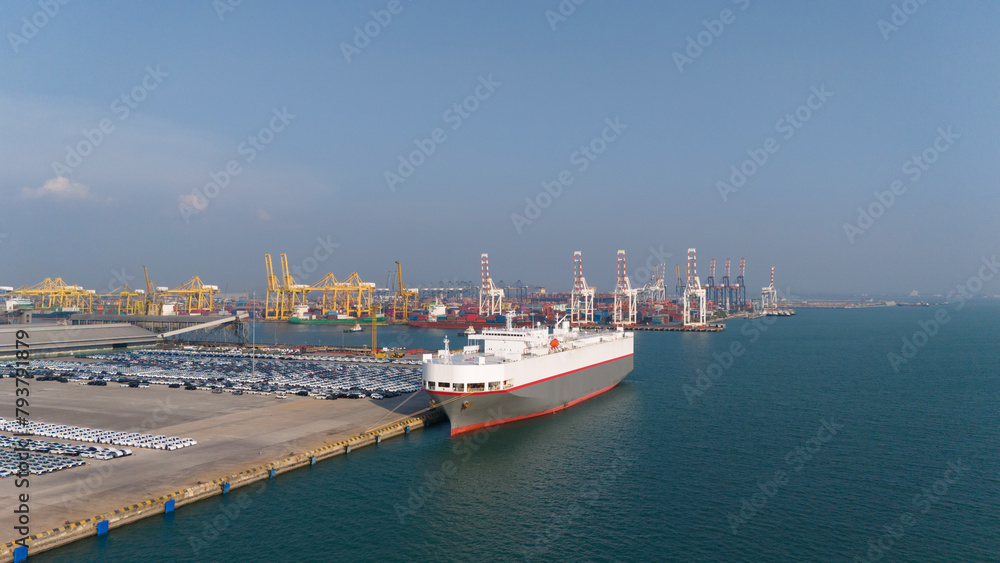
x=453, y=394
x=488, y=423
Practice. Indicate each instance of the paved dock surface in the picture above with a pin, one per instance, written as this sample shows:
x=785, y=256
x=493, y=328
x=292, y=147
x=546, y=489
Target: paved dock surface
x=233, y=433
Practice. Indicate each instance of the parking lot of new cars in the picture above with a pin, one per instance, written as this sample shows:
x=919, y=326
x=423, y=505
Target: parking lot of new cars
x=46, y=457
x=80, y=434
x=76, y=450
x=38, y=463
x=233, y=371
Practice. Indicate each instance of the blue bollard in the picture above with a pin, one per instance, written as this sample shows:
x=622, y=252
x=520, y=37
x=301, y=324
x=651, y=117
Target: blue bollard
x=312, y=461
x=20, y=554
x=168, y=507
x=407, y=428
x=273, y=472
x=225, y=488
x=102, y=527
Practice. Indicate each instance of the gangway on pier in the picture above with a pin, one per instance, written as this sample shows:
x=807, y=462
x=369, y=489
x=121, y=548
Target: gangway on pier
x=238, y=317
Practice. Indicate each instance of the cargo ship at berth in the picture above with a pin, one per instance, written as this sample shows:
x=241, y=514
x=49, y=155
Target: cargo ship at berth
x=476, y=324
x=512, y=373
x=301, y=315
x=438, y=316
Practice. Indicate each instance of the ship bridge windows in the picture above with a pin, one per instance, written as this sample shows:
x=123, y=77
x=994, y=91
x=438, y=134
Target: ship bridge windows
x=430, y=385
x=494, y=386
x=459, y=387
x=444, y=385
x=473, y=387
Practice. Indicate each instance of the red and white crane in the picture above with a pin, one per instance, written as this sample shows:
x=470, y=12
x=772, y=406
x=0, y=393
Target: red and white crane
x=582, y=297
x=694, y=291
x=625, y=296
x=490, y=296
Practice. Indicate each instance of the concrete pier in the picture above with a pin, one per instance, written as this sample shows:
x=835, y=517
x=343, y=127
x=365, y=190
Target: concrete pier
x=108, y=521
x=676, y=328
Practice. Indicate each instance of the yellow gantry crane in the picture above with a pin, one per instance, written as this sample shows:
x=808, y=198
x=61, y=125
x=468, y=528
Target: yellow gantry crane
x=295, y=293
x=275, y=300
x=55, y=293
x=351, y=296
x=194, y=295
x=284, y=294
x=404, y=293
x=356, y=296
x=327, y=286
x=152, y=303
x=127, y=299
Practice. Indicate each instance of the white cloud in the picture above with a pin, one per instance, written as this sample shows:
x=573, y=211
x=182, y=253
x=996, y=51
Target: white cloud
x=58, y=188
x=193, y=201
x=264, y=215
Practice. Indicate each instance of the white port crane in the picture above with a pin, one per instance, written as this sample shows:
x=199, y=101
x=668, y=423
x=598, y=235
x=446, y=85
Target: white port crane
x=490, y=296
x=694, y=291
x=769, y=296
x=655, y=289
x=625, y=296
x=582, y=297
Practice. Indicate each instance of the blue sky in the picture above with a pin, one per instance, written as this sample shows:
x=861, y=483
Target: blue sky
x=198, y=84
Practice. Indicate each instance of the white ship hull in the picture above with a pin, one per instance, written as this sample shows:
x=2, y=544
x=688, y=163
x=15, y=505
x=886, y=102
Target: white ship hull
x=476, y=395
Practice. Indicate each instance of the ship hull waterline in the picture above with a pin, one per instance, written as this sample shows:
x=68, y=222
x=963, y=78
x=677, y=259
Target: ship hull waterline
x=469, y=412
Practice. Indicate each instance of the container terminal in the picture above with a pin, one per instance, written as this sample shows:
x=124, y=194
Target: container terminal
x=353, y=304
x=180, y=403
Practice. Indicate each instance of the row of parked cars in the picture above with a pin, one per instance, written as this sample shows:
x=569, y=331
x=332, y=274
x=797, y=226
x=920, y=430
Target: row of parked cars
x=59, y=448
x=81, y=434
x=38, y=463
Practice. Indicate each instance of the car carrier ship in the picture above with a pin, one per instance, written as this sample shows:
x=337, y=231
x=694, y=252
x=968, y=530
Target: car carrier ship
x=511, y=373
